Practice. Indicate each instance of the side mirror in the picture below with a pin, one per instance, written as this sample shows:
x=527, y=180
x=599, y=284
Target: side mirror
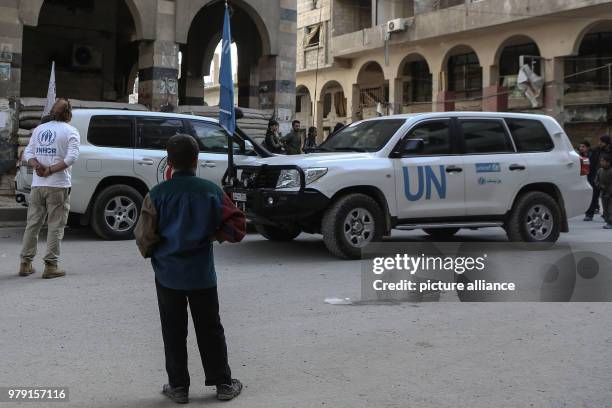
x=413, y=146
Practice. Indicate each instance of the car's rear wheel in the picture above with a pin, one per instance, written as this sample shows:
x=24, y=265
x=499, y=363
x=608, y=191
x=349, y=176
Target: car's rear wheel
x=536, y=217
x=441, y=233
x=279, y=234
x=351, y=224
x=115, y=212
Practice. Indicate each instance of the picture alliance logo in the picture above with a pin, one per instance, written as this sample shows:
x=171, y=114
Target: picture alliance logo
x=46, y=138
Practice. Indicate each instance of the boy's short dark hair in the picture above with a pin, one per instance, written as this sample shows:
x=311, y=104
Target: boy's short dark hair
x=606, y=157
x=296, y=121
x=586, y=143
x=182, y=151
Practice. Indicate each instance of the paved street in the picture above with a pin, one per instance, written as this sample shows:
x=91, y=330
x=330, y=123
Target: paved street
x=98, y=332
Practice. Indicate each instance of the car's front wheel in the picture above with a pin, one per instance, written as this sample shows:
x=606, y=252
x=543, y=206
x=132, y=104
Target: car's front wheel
x=115, y=212
x=351, y=224
x=536, y=217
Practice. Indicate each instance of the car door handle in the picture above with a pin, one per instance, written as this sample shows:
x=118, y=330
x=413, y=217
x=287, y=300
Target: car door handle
x=454, y=169
x=517, y=167
x=146, y=162
x=208, y=164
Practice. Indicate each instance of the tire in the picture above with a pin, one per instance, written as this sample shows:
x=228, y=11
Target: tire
x=546, y=227
x=441, y=233
x=278, y=234
x=125, y=202
x=358, y=206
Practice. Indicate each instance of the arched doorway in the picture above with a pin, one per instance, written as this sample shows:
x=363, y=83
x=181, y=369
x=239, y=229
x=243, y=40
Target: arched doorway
x=587, y=84
x=303, y=106
x=509, y=58
x=373, y=91
x=332, y=108
x=252, y=45
x=464, y=75
x=93, y=44
x=415, y=85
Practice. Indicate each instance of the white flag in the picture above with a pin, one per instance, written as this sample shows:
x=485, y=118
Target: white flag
x=51, y=91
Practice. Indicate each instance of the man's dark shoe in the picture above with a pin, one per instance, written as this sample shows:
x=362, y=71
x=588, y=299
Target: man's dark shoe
x=608, y=226
x=588, y=218
x=180, y=395
x=226, y=392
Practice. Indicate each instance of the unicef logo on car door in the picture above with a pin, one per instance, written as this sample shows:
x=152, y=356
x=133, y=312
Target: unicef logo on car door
x=164, y=170
x=46, y=138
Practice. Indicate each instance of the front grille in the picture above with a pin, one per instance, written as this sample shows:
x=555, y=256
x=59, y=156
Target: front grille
x=259, y=178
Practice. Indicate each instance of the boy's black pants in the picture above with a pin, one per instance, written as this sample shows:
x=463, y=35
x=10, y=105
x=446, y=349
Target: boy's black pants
x=204, y=305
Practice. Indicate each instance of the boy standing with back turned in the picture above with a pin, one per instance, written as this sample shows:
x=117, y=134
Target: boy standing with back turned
x=180, y=218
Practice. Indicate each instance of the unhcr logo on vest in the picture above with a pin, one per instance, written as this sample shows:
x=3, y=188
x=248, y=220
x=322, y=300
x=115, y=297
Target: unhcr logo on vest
x=46, y=138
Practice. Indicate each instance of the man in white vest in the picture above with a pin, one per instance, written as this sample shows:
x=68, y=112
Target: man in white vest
x=52, y=150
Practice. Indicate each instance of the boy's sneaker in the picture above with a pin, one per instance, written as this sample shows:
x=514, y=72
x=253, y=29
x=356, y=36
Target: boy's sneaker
x=226, y=392
x=180, y=395
x=588, y=218
x=608, y=226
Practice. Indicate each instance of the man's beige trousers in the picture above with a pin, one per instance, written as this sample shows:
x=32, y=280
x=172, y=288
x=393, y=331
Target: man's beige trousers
x=52, y=203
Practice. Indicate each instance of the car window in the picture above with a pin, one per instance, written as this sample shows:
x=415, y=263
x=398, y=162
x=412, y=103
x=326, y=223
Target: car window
x=111, y=131
x=429, y=139
x=485, y=136
x=212, y=137
x=530, y=135
x=369, y=136
x=154, y=133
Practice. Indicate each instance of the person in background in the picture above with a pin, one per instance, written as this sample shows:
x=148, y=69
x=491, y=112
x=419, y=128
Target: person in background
x=179, y=220
x=52, y=150
x=311, y=139
x=272, y=142
x=595, y=154
x=339, y=126
x=604, y=182
x=293, y=140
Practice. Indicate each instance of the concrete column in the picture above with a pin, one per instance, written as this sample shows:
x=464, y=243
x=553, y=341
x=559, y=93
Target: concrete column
x=494, y=97
x=11, y=38
x=158, y=63
x=194, y=91
x=395, y=96
x=443, y=100
x=356, y=113
x=554, y=73
x=319, y=117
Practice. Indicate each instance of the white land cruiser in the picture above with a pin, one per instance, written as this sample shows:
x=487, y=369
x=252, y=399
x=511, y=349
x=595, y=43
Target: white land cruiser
x=439, y=172
x=123, y=156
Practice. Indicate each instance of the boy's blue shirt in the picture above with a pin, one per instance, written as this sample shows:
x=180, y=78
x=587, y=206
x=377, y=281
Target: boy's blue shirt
x=188, y=215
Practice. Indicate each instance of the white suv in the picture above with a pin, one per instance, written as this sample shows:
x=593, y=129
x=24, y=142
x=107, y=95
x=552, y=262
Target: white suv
x=439, y=172
x=123, y=156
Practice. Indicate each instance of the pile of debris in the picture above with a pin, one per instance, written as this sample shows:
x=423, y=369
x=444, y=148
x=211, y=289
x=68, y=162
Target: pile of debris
x=254, y=122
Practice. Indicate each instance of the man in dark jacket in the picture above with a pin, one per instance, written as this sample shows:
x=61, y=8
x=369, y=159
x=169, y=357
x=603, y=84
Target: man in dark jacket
x=293, y=140
x=604, y=182
x=179, y=220
x=603, y=148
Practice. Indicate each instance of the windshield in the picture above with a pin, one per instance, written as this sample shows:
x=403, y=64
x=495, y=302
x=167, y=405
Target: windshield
x=370, y=136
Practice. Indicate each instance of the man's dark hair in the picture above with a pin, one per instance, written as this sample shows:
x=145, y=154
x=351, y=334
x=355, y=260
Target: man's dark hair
x=182, y=151
x=296, y=121
x=61, y=111
x=586, y=143
x=606, y=157
x=605, y=139
x=311, y=130
x=271, y=123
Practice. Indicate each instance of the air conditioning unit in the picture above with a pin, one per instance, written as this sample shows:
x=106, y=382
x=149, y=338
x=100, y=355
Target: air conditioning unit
x=86, y=57
x=398, y=24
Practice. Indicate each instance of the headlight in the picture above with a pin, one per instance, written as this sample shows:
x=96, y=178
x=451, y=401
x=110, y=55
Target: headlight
x=288, y=179
x=313, y=175
x=291, y=178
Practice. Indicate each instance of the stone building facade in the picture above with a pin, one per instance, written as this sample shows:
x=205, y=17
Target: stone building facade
x=442, y=55
x=103, y=47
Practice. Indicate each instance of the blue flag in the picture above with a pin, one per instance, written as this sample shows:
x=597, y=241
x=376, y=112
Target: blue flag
x=227, y=113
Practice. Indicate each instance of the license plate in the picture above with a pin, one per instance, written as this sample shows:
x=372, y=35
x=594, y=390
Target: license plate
x=240, y=197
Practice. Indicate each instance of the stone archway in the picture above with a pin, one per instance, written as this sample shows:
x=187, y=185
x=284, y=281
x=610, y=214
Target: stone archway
x=371, y=93
x=414, y=85
x=94, y=46
x=463, y=76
